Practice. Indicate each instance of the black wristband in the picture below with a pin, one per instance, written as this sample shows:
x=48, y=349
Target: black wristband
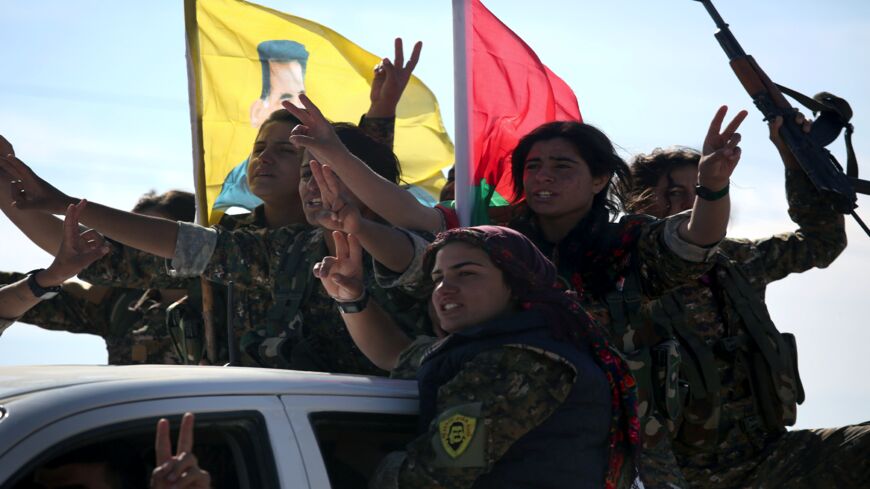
x=39, y=291
x=707, y=194
x=352, y=307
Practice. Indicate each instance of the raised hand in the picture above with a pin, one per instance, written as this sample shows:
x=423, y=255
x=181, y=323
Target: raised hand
x=315, y=133
x=339, y=215
x=342, y=274
x=775, y=125
x=29, y=192
x=390, y=80
x=720, y=153
x=182, y=469
x=77, y=250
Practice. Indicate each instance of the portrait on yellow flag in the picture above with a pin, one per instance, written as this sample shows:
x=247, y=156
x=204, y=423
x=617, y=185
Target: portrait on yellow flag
x=244, y=59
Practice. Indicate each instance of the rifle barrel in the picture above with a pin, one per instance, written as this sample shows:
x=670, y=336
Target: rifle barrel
x=726, y=39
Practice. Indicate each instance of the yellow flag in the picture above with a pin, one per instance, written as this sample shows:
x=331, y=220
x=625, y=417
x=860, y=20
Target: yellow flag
x=243, y=58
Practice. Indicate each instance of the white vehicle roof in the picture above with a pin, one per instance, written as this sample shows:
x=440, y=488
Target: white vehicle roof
x=126, y=383
x=35, y=396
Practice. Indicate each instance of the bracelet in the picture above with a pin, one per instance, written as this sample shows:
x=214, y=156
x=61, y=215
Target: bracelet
x=40, y=292
x=707, y=194
x=357, y=305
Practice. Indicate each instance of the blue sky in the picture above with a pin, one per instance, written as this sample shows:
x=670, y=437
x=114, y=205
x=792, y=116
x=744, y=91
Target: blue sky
x=94, y=96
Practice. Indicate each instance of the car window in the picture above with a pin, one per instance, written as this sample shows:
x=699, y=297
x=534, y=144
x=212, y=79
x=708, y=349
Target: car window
x=233, y=447
x=353, y=444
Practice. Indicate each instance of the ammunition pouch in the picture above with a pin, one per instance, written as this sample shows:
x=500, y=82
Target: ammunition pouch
x=777, y=391
x=772, y=356
x=187, y=331
x=656, y=368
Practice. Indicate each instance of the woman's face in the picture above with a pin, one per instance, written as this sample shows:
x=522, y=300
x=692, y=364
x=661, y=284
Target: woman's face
x=469, y=288
x=273, y=168
x=675, y=191
x=312, y=200
x=557, y=180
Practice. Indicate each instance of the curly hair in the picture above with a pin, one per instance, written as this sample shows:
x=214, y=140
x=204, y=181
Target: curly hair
x=647, y=169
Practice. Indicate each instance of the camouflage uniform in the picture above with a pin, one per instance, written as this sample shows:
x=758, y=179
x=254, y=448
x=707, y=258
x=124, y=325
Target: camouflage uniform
x=617, y=268
x=511, y=390
x=732, y=433
x=132, y=322
x=315, y=338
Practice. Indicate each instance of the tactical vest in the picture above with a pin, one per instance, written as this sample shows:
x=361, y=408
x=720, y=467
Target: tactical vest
x=569, y=449
x=293, y=282
x=655, y=367
x=771, y=356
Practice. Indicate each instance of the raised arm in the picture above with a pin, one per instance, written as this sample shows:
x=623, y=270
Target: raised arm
x=45, y=230
x=390, y=80
x=372, y=329
x=30, y=192
x=818, y=240
x=385, y=198
x=710, y=214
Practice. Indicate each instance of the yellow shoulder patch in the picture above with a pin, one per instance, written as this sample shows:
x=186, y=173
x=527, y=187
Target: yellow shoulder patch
x=456, y=433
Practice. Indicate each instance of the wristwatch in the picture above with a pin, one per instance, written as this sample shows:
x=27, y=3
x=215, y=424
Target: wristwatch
x=354, y=306
x=710, y=195
x=41, y=293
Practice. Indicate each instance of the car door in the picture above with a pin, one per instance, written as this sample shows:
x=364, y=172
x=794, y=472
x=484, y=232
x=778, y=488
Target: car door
x=342, y=438
x=247, y=440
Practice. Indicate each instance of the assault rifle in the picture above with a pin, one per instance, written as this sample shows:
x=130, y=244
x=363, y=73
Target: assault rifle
x=808, y=149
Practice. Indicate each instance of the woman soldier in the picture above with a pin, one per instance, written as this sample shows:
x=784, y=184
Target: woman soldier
x=742, y=392
x=523, y=391
x=564, y=170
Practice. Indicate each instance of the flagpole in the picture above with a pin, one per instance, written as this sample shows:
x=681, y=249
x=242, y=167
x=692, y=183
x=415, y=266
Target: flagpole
x=194, y=89
x=462, y=83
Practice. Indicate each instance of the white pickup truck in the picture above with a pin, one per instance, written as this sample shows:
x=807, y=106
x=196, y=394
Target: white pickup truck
x=255, y=428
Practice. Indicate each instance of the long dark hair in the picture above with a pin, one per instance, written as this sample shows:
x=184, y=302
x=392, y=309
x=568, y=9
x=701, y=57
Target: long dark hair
x=593, y=146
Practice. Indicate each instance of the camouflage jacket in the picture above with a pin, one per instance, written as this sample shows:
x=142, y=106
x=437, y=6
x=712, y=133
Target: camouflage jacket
x=132, y=322
x=516, y=390
x=723, y=428
x=315, y=338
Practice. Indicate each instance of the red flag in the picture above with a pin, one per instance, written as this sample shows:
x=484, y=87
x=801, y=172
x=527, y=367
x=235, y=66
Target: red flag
x=511, y=93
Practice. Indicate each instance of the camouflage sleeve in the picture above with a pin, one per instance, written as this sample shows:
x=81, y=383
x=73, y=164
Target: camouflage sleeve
x=130, y=268
x=412, y=281
x=667, y=261
x=246, y=256
x=410, y=359
x=381, y=129
x=819, y=239
x=66, y=312
x=194, y=249
x=498, y=397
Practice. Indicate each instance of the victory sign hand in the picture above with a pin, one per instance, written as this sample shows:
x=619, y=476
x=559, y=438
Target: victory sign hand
x=720, y=154
x=182, y=469
x=342, y=274
x=315, y=133
x=339, y=214
x=390, y=80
